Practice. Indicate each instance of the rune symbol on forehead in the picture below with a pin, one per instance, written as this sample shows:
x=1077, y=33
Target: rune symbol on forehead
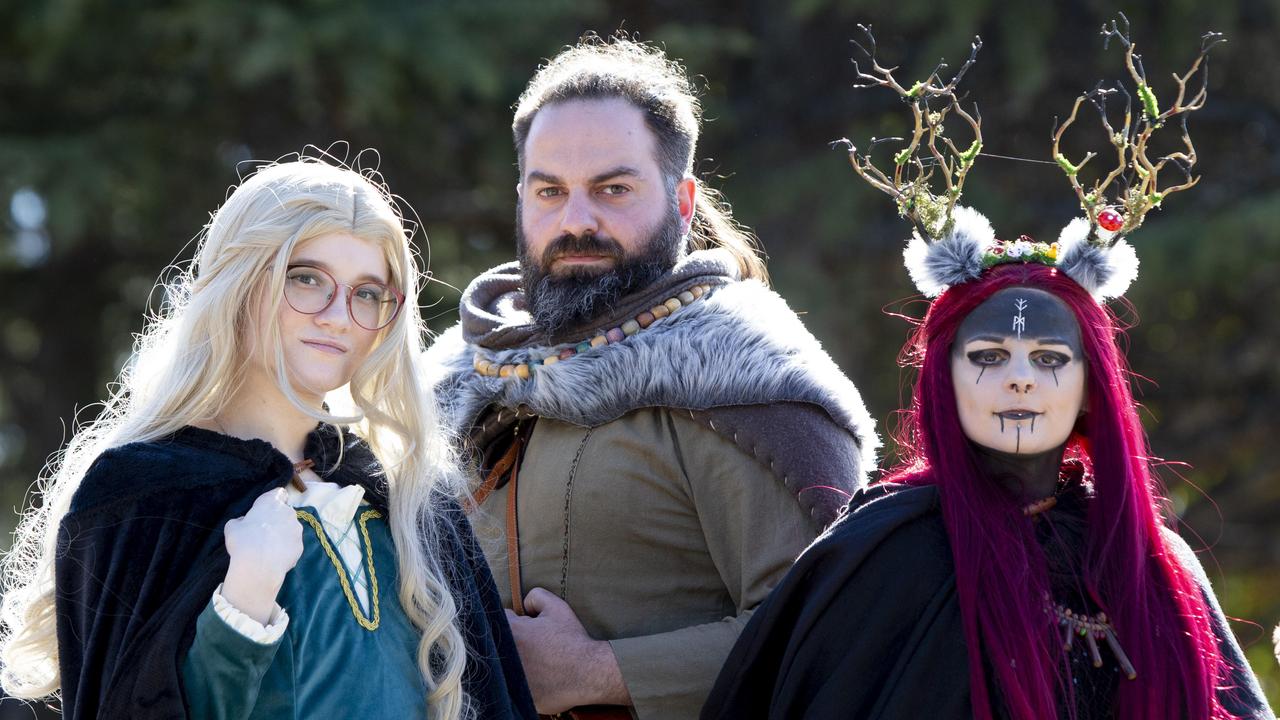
x=1019, y=322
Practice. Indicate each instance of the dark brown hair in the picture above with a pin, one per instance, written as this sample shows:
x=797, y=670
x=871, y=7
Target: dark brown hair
x=643, y=75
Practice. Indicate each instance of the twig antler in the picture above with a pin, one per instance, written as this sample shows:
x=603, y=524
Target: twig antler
x=928, y=152
x=1137, y=191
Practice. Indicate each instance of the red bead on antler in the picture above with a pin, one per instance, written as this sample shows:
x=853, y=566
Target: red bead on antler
x=1110, y=220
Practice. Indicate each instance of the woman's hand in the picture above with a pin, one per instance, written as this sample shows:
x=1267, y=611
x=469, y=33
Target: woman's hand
x=264, y=545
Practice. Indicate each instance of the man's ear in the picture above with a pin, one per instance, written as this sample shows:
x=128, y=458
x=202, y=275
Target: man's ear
x=519, y=190
x=686, y=200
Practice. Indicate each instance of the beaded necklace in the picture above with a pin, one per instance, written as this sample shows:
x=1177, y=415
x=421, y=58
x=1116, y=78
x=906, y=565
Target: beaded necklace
x=524, y=371
x=1035, y=508
x=1089, y=628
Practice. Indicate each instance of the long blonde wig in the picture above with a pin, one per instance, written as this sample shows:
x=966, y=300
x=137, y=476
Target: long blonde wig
x=186, y=364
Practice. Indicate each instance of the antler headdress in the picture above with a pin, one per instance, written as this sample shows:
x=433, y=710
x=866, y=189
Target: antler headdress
x=952, y=244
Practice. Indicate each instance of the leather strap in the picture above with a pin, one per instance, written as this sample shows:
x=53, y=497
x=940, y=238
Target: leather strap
x=513, y=529
x=510, y=463
x=505, y=463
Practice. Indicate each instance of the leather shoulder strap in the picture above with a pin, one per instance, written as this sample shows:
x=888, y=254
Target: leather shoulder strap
x=513, y=536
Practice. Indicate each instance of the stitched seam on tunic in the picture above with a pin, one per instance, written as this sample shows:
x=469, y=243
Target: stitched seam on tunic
x=750, y=446
x=568, y=496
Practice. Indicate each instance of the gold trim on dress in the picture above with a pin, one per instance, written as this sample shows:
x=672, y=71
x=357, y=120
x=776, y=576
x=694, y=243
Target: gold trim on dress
x=365, y=621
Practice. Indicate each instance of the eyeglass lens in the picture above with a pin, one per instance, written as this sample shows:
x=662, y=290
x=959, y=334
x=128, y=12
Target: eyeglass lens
x=310, y=290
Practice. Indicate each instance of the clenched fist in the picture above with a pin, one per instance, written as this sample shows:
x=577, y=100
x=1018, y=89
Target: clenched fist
x=264, y=545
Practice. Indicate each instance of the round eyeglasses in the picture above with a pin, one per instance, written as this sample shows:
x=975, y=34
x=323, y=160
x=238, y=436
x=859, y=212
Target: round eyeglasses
x=310, y=290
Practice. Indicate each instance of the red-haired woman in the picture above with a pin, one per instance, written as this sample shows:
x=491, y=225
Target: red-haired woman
x=1016, y=564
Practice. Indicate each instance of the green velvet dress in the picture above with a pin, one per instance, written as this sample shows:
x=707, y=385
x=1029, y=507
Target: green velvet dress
x=335, y=659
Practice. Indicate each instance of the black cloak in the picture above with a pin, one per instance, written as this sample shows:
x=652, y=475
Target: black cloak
x=867, y=624
x=881, y=578
x=141, y=551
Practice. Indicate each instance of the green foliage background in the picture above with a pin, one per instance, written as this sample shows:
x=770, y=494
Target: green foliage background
x=128, y=119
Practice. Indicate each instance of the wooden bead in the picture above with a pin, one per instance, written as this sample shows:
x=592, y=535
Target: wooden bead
x=614, y=335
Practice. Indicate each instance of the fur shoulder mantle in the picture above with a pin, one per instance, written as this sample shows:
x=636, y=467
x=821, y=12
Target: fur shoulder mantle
x=738, y=345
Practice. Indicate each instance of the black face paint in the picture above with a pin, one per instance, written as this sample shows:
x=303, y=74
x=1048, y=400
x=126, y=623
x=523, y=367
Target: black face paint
x=1021, y=312
x=1024, y=325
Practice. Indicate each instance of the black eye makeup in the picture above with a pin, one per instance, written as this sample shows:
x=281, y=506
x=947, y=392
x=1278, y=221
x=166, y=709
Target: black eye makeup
x=1050, y=359
x=1047, y=359
x=987, y=357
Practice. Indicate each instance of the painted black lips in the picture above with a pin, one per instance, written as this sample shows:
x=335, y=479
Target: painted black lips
x=1018, y=414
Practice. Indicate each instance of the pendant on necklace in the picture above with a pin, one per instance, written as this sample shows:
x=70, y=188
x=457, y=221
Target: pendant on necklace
x=1092, y=628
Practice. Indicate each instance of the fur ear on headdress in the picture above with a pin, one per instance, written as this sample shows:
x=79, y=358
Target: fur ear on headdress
x=956, y=258
x=1276, y=639
x=1104, y=272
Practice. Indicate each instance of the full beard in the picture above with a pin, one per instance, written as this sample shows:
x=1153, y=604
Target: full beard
x=572, y=299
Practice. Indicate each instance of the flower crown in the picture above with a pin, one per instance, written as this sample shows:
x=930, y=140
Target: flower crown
x=952, y=244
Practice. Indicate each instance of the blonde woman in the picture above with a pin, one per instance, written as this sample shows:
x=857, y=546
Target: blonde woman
x=218, y=543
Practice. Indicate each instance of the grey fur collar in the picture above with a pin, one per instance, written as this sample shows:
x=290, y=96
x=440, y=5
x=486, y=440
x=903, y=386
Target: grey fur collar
x=738, y=345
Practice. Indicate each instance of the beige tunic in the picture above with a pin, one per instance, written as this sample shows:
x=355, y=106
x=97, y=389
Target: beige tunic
x=659, y=533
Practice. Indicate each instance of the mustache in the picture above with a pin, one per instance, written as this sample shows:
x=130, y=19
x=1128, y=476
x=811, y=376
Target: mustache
x=585, y=244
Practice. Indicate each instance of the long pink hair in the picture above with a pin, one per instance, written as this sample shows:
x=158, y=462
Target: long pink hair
x=1155, y=606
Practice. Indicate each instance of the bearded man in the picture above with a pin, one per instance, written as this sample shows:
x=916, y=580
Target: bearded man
x=658, y=434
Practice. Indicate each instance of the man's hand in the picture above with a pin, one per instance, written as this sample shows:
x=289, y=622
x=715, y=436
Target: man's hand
x=565, y=667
